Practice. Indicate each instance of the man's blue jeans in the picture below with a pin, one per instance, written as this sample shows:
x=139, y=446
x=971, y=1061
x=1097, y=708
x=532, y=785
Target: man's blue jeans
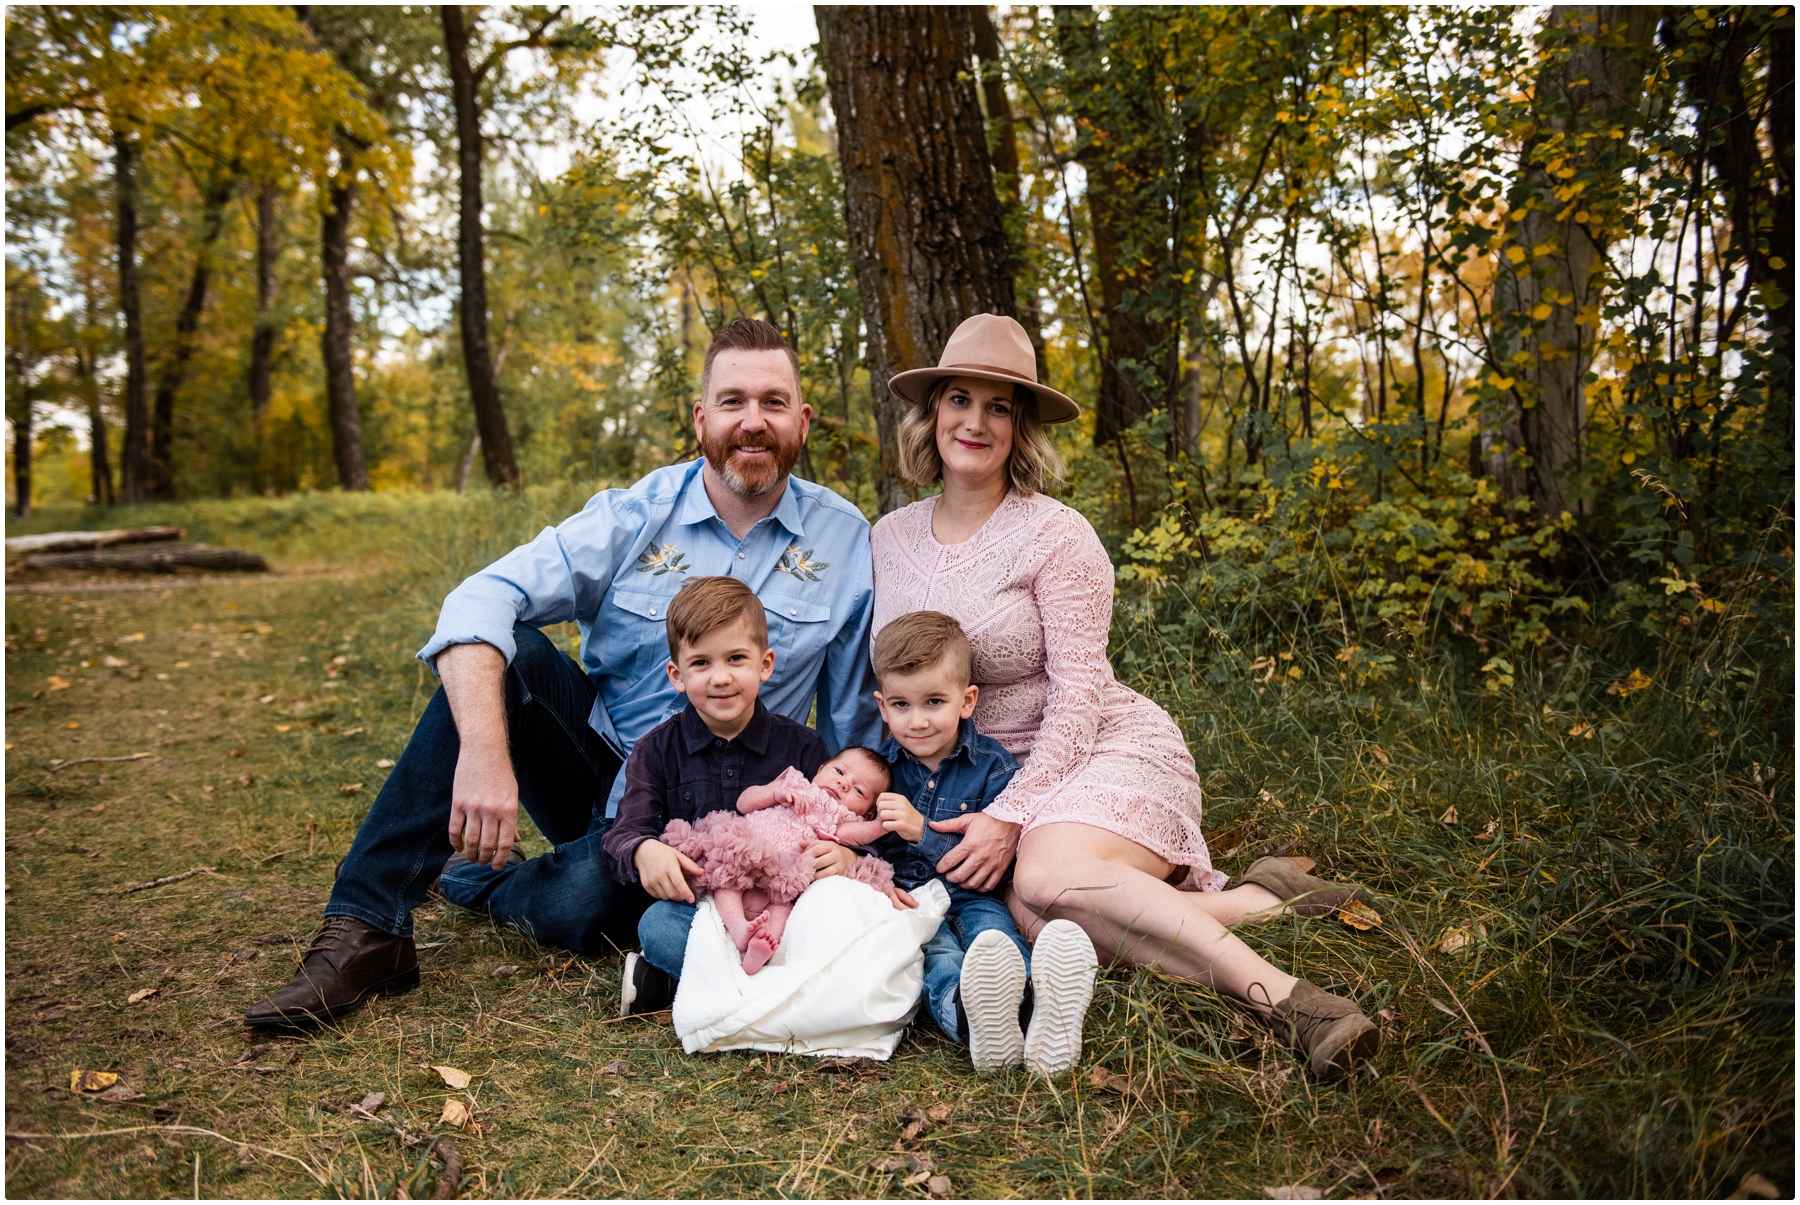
x=565, y=772
x=971, y=913
x=663, y=932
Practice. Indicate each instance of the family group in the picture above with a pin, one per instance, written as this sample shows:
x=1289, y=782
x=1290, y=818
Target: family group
x=967, y=739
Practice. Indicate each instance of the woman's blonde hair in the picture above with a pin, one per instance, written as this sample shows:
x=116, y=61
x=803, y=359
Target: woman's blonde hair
x=1034, y=460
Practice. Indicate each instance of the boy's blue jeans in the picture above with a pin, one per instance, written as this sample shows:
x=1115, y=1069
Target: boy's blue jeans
x=663, y=933
x=564, y=897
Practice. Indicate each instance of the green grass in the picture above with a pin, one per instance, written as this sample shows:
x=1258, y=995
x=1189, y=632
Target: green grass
x=1620, y=1024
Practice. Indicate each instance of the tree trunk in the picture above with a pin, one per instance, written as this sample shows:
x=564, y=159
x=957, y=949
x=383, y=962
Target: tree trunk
x=1545, y=412
x=340, y=375
x=1003, y=147
x=22, y=365
x=262, y=344
x=478, y=362
x=924, y=221
x=187, y=324
x=136, y=458
x=99, y=466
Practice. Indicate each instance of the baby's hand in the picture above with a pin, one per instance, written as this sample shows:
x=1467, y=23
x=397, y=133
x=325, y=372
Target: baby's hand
x=901, y=899
x=898, y=815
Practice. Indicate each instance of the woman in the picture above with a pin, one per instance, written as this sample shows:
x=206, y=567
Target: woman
x=1105, y=812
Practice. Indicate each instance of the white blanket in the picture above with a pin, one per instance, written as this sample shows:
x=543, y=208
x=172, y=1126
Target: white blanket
x=845, y=981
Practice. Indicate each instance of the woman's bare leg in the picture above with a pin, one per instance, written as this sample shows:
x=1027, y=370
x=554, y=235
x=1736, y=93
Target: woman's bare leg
x=1113, y=888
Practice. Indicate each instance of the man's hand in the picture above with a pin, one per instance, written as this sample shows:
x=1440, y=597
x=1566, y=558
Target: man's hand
x=484, y=807
x=898, y=815
x=901, y=899
x=663, y=871
x=484, y=800
x=830, y=858
x=982, y=856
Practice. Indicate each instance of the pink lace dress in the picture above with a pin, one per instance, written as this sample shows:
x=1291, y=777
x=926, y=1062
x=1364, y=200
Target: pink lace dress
x=1034, y=591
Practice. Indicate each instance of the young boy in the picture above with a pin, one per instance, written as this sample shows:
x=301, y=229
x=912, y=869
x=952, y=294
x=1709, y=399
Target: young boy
x=699, y=761
x=976, y=965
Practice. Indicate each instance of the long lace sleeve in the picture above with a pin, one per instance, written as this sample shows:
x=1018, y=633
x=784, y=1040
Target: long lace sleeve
x=1073, y=590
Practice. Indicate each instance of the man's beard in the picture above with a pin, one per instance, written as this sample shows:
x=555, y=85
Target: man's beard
x=749, y=479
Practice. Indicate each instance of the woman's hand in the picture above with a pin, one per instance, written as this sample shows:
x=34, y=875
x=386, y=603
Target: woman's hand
x=830, y=858
x=982, y=856
x=898, y=815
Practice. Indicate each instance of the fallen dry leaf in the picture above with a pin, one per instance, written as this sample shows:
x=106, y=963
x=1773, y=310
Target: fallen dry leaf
x=350, y=788
x=918, y=1162
x=1293, y=1192
x=385, y=763
x=283, y=727
x=1754, y=1187
x=71, y=725
x=616, y=1092
x=239, y=752
x=120, y=1094
x=55, y=683
x=91, y=1081
x=1359, y=916
x=266, y=699
x=1109, y=1081
x=1461, y=938
x=506, y=971
x=456, y=1114
x=938, y=1187
x=371, y=1104
x=354, y=731
x=143, y=993
x=454, y=1077
x=619, y=1067
x=1449, y=816
x=1379, y=754
x=936, y=1113
x=98, y=807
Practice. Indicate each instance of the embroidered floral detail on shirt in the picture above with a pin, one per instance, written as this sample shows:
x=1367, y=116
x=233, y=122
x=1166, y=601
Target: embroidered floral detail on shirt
x=801, y=565
x=658, y=561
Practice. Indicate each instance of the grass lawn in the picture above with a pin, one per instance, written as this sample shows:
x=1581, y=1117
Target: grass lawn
x=1585, y=970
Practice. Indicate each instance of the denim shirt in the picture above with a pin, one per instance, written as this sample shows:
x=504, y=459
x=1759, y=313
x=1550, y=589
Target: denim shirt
x=613, y=568
x=968, y=779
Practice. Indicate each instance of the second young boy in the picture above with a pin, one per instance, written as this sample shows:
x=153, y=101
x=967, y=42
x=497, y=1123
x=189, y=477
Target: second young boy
x=976, y=965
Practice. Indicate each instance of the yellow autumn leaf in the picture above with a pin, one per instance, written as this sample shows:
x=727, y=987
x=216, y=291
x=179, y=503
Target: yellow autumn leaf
x=55, y=683
x=456, y=1113
x=1540, y=311
x=91, y=1081
x=142, y=994
x=1516, y=254
x=1359, y=916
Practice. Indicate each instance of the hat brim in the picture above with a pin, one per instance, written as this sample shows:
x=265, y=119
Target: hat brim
x=915, y=384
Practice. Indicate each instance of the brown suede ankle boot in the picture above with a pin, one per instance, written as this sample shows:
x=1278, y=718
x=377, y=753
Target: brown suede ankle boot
x=1306, y=894
x=1330, y=1030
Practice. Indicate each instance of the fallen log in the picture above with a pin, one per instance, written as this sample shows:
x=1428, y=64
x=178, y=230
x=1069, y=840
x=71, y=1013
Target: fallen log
x=156, y=558
x=70, y=541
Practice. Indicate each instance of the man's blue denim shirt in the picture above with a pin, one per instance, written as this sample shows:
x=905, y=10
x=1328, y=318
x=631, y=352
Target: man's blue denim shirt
x=614, y=567
x=969, y=778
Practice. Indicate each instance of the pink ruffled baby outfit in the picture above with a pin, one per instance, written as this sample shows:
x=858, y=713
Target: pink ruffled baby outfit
x=767, y=849
x=1033, y=589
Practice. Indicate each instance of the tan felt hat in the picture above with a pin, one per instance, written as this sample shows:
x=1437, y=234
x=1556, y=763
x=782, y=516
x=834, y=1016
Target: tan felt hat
x=988, y=347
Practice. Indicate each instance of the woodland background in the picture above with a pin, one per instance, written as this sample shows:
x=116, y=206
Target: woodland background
x=1437, y=386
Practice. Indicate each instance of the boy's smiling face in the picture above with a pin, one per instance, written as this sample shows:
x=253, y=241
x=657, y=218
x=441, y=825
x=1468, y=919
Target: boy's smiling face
x=924, y=710
x=720, y=674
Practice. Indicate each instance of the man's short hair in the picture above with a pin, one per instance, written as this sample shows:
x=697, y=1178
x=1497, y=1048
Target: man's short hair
x=746, y=334
x=922, y=640
x=707, y=604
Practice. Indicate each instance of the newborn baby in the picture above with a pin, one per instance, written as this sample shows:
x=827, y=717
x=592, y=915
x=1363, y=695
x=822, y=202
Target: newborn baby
x=755, y=859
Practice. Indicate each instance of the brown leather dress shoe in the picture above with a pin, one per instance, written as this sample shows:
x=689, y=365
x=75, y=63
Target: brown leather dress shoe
x=349, y=961
x=1329, y=1030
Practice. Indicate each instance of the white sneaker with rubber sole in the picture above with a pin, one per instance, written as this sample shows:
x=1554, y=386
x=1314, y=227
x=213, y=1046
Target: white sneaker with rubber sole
x=993, y=980
x=1063, y=966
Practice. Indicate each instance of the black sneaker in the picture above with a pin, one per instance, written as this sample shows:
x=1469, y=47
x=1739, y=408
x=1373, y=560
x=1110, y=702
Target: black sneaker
x=644, y=989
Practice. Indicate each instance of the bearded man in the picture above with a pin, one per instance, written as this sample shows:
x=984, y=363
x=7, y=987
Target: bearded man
x=518, y=721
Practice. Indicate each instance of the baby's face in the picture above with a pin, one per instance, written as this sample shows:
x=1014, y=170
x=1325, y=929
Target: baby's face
x=853, y=780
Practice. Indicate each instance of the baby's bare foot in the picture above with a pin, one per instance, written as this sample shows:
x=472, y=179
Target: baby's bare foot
x=761, y=949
